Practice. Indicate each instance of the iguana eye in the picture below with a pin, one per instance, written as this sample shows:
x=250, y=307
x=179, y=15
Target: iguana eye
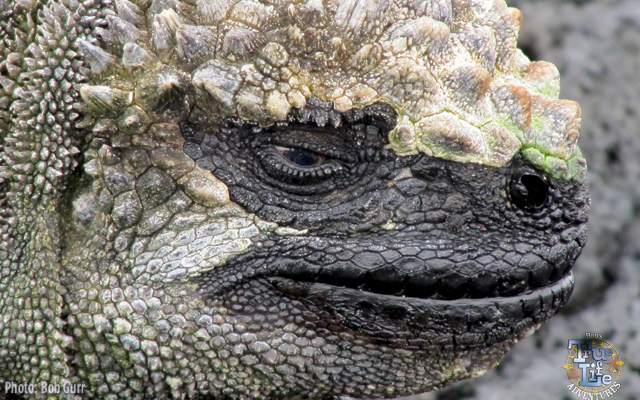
x=529, y=191
x=303, y=158
x=297, y=166
x=313, y=153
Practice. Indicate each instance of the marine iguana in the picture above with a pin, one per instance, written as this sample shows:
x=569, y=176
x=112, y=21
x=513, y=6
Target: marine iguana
x=276, y=199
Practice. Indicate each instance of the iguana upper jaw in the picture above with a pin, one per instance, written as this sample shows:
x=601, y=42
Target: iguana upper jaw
x=406, y=264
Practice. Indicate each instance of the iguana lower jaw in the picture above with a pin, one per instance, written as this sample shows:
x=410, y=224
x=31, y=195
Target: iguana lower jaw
x=430, y=343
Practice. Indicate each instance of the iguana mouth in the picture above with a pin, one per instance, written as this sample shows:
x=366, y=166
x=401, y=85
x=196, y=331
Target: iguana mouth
x=437, y=279
x=423, y=323
x=419, y=311
x=422, y=291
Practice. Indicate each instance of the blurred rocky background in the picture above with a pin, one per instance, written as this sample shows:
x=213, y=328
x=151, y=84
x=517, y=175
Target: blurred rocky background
x=596, y=46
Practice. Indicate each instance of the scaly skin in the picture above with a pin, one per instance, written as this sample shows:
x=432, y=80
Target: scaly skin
x=230, y=199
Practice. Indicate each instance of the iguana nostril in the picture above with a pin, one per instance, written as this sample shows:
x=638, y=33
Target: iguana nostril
x=529, y=192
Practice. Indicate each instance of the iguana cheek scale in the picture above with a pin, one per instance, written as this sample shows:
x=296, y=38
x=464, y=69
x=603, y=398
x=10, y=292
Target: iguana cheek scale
x=291, y=199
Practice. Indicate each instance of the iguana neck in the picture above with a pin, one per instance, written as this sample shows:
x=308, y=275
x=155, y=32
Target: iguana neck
x=38, y=137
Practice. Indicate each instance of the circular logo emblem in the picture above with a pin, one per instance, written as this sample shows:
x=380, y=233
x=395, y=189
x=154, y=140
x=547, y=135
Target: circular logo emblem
x=593, y=366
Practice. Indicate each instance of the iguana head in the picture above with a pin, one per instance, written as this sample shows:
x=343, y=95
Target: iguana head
x=308, y=198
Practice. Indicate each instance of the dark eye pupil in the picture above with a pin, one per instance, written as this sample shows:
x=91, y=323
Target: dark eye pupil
x=300, y=157
x=529, y=192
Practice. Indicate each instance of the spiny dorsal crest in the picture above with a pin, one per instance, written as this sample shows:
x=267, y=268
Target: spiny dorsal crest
x=450, y=68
